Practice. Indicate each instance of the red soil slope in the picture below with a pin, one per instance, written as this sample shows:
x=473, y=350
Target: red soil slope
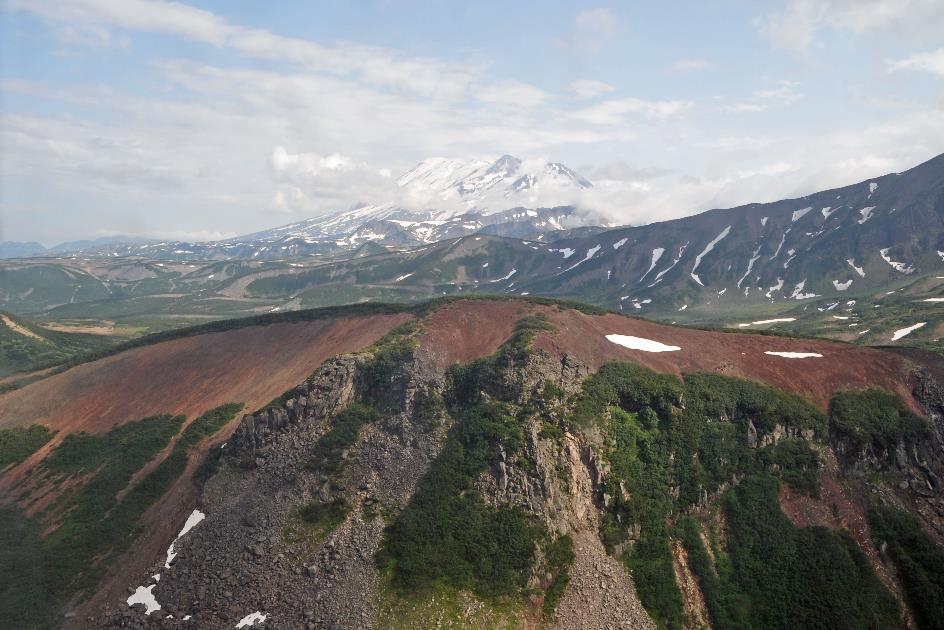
x=188, y=376
x=464, y=331
x=842, y=366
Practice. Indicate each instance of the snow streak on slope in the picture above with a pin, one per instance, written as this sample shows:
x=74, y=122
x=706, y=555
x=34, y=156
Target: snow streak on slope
x=656, y=255
x=710, y=246
x=858, y=270
x=672, y=266
x=750, y=265
x=897, y=266
x=590, y=254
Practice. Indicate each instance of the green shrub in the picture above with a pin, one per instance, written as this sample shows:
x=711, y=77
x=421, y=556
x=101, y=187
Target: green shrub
x=447, y=534
x=465, y=383
x=795, y=462
x=428, y=408
x=92, y=526
x=322, y=518
x=18, y=443
x=792, y=577
x=559, y=556
x=875, y=417
x=326, y=456
x=919, y=560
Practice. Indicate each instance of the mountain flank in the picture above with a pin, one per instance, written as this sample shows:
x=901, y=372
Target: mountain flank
x=477, y=463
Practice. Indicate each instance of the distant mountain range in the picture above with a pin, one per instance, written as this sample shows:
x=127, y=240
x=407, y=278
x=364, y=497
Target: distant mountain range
x=833, y=247
x=465, y=197
x=878, y=234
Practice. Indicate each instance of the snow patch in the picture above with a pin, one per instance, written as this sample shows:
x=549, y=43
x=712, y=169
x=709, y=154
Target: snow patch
x=897, y=266
x=776, y=287
x=798, y=293
x=828, y=210
x=858, y=270
x=763, y=222
x=590, y=254
x=768, y=321
x=195, y=517
x=407, y=275
x=506, y=276
x=144, y=595
x=250, y=620
x=710, y=246
x=842, y=286
x=872, y=188
x=672, y=266
x=750, y=265
x=639, y=343
x=902, y=332
x=866, y=214
x=795, y=355
x=619, y=243
x=799, y=214
x=780, y=246
x=656, y=255
x=933, y=300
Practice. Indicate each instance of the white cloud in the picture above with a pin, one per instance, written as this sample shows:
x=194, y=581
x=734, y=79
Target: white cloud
x=689, y=65
x=615, y=111
x=598, y=21
x=588, y=88
x=592, y=28
x=932, y=62
x=739, y=108
x=378, y=66
x=780, y=94
x=796, y=26
x=512, y=93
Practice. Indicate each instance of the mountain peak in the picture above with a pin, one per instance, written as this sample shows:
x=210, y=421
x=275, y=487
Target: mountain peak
x=506, y=165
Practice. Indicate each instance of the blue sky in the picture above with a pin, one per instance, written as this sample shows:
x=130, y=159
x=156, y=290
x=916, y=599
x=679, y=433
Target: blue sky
x=174, y=120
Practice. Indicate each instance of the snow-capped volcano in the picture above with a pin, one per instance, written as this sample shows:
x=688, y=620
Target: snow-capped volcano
x=489, y=187
x=450, y=197
x=438, y=199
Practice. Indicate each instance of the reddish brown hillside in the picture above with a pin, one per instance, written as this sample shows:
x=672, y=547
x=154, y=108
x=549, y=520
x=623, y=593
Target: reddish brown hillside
x=466, y=330
x=842, y=366
x=187, y=376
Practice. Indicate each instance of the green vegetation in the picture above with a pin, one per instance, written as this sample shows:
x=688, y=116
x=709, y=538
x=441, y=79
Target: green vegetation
x=92, y=525
x=919, y=560
x=326, y=456
x=670, y=446
x=446, y=607
x=25, y=600
x=388, y=355
x=447, y=535
x=428, y=408
x=465, y=384
x=875, y=417
x=38, y=348
x=322, y=518
x=781, y=576
x=558, y=557
x=18, y=443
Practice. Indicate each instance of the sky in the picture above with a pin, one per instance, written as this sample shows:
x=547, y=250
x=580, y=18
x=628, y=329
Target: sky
x=205, y=120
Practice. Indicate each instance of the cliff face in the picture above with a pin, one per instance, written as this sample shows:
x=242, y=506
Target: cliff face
x=305, y=501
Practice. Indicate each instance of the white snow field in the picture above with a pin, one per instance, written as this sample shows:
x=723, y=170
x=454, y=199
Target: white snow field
x=639, y=343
